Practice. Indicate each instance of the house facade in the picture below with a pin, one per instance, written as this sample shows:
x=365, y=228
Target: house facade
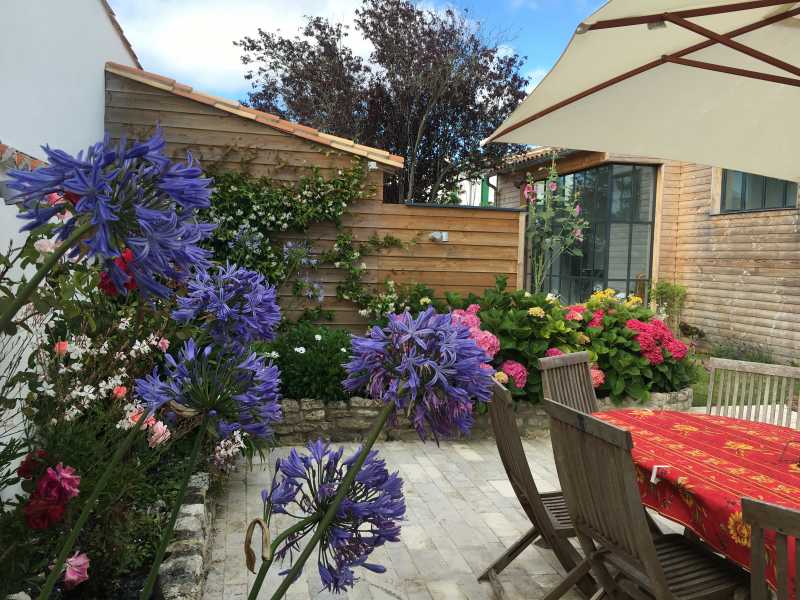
x=731, y=238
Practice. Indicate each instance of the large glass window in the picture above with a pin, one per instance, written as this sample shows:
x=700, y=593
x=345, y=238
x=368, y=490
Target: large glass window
x=745, y=191
x=619, y=202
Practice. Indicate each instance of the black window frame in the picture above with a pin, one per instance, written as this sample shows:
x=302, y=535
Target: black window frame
x=789, y=198
x=574, y=282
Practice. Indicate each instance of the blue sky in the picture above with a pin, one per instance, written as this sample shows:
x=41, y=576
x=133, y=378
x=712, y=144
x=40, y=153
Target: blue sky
x=190, y=40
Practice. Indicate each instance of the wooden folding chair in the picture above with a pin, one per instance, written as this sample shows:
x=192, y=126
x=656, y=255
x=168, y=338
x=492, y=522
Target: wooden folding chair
x=754, y=391
x=567, y=379
x=547, y=512
x=598, y=476
x=785, y=522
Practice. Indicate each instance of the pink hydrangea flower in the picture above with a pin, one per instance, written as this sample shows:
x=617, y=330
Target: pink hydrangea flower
x=159, y=433
x=462, y=317
x=676, y=348
x=76, y=570
x=473, y=309
x=516, y=371
x=597, y=318
x=598, y=377
x=163, y=344
x=486, y=341
x=575, y=312
x=553, y=352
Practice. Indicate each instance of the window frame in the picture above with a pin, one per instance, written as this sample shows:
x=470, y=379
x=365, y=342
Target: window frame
x=723, y=210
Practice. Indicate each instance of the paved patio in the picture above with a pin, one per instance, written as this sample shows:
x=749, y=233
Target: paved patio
x=462, y=514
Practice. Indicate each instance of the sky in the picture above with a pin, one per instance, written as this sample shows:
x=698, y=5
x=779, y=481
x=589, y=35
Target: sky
x=191, y=40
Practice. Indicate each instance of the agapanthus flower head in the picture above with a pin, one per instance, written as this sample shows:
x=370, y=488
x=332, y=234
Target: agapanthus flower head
x=428, y=367
x=306, y=483
x=134, y=197
x=238, y=391
x=236, y=305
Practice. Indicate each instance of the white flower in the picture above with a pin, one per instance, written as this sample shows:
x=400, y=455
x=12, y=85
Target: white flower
x=552, y=298
x=363, y=266
x=343, y=350
x=356, y=254
x=45, y=246
x=424, y=301
x=274, y=354
x=300, y=350
x=363, y=312
x=337, y=264
x=47, y=388
x=124, y=323
x=527, y=294
x=318, y=337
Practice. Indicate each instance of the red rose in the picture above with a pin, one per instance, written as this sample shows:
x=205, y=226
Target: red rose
x=41, y=513
x=27, y=469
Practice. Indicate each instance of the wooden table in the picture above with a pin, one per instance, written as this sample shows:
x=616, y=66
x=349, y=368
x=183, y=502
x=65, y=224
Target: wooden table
x=710, y=463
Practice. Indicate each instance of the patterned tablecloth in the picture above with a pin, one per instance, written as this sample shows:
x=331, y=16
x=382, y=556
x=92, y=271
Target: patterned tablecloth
x=710, y=464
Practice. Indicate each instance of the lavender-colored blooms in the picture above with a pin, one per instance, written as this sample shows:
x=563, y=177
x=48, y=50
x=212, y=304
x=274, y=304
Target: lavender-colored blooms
x=238, y=391
x=135, y=197
x=236, y=304
x=428, y=367
x=369, y=516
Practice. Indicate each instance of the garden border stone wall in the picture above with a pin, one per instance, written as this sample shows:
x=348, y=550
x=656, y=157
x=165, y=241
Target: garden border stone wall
x=349, y=421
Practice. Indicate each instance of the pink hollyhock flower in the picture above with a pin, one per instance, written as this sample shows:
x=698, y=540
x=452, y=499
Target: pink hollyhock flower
x=553, y=186
x=578, y=234
x=597, y=318
x=60, y=348
x=462, y=317
x=119, y=392
x=529, y=192
x=76, y=570
x=516, y=371
x=553, y=352
x=159, y=433
x=486, y=341
x=575, y=312
x=598, y=377
x=473, y=309
x=577, y=210
x=163, y=344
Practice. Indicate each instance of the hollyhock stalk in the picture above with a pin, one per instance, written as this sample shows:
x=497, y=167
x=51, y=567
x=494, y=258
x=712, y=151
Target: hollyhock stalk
x=88, y=507
x=27, y=290
x=167, y=535
x=330, y=514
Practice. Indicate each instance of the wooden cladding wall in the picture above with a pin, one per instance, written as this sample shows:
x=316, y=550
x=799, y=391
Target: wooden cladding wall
x=742, y=270
x=481, y=243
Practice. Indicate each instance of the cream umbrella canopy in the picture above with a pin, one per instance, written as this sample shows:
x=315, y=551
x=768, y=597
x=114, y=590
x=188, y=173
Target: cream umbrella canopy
x=711, y=82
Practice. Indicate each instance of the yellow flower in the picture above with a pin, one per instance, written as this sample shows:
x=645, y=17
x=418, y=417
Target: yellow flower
x=424, y=301
x=738, y=529
x=583, y=339
x=501, y=377
x=536, y=311
x=633, y=301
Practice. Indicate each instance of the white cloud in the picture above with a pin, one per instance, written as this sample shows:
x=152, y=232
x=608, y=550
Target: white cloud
x=534, y=77
x=192, y=40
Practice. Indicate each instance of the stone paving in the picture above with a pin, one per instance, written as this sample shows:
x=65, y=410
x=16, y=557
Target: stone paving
x=461, y=515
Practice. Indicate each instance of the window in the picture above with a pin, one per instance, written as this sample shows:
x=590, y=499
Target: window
x=745, y=191
x=619, y=202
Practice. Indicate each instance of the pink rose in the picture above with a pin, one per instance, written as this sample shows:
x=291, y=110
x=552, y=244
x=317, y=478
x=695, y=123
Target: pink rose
x=60, y=348
x=76, y=570
x=159, y=433
x=163, y=344
x=516, y=371
x=553, y=352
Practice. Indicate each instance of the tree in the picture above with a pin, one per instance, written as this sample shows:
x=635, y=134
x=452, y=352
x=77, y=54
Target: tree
x=434, y=86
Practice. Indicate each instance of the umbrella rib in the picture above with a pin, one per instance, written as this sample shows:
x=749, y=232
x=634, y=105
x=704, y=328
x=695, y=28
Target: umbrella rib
x=699, y=64
x=726, y=41
x=646, y=67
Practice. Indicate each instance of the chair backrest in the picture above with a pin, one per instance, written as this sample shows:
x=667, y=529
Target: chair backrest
x=598, y=478
x=785, y=523
x=754, y=391
x=567, y=379
x=512, y=454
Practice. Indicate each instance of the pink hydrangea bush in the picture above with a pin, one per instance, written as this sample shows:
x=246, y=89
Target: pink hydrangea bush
x=516, y=371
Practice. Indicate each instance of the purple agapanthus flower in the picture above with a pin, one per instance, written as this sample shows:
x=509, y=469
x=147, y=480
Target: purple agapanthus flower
x=236, y=391
x=135, y=197
x=428, y=367
x=236, y=305
x=305, y=484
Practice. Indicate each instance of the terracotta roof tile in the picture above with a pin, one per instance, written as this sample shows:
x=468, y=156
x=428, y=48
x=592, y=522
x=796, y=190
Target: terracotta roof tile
x=231, y=106
x=19, y=159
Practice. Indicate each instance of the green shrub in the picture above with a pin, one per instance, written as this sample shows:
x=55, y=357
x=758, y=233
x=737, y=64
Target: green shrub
x=311, y=359
x=741, y=350
x=669, y=298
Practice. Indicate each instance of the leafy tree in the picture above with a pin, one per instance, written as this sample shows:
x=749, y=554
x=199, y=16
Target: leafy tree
x=434, y=86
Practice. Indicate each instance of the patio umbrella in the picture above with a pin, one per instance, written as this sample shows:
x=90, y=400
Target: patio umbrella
x=716, y=83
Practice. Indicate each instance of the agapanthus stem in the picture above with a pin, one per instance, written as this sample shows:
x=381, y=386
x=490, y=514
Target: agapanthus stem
x=167, y=535
x=330, y=514
x=262, y=572
x=88, y=507
x=27, y=290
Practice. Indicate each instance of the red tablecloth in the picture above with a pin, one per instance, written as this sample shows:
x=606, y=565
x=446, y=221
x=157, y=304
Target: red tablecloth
x=712, y=463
